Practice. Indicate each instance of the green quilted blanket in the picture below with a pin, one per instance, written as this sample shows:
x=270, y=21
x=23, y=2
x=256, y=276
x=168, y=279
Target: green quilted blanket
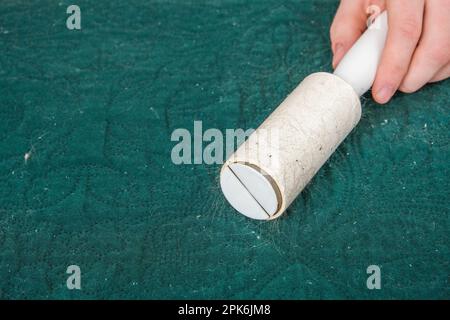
x=86, y=118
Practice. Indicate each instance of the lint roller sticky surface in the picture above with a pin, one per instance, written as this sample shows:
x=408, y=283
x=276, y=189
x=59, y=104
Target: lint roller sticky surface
x=269, y=170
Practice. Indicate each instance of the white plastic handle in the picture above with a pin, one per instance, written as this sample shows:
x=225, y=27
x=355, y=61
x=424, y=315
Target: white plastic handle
x=359, y=66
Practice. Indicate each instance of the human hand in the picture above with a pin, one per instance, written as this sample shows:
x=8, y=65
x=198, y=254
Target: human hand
x=417, y=49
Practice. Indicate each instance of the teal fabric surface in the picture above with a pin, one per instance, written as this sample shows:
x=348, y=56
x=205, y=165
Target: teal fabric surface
x=96, y=108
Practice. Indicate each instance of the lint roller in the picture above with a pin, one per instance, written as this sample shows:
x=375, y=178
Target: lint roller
x=269, y=170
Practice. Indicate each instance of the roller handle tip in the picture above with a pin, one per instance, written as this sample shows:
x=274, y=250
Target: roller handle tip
x=359, y=65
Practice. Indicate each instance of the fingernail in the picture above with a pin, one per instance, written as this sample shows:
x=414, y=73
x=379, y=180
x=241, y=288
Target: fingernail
x=384, y=94
x=338, y=48
x=337, y=53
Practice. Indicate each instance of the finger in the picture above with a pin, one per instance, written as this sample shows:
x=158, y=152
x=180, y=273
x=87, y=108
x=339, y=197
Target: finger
x=442, y=74
x=405, y=26
x=348, y=24
x=433, y=51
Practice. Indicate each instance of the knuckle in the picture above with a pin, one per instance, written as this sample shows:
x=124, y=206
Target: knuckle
x=333, y=31
x=396, y=69
x=438, y=55
x=410, y=28
x=337, y=28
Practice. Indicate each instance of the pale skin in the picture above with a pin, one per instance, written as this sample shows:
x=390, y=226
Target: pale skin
x=417, y=49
